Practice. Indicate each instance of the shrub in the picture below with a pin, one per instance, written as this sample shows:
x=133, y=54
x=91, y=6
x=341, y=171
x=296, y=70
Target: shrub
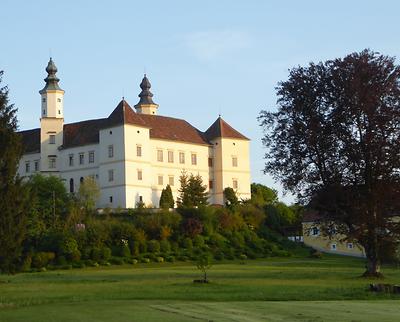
x=41, y=259
x=153, y=246
x=116, y=261
x=170, y=259
x=165, y=246
x=187, y=244
x=61, y=261
x=26, y=264
x=315, y=253
x=160, y=259
x=124, y=251
x=145, y=260
x=95, y=254
x=78, y=265
x=105, y=253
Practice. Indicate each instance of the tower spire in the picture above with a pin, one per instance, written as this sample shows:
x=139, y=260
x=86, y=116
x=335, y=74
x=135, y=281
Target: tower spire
x=51, y=79
x=146, y=104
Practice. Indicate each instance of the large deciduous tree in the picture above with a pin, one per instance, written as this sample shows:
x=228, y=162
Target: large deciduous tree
x=335, y=142
x=13, y=193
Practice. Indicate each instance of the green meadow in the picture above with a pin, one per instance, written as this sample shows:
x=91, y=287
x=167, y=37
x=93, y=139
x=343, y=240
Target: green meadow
x=278, y=289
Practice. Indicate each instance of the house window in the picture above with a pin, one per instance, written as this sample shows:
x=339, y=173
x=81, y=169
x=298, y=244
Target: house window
x=315, y=231
x=71, y=185
x=170, y=156
x=52, y=163
x=27, y=167
x=91, y=156
x=333, y=246
x=194, y=158
x=181, y=157
x=81, y=180
x=44, y=112
x=210, y=162
x=139, y=175
x=81, y=158
x=210, y=184
x=52, y=139
x=235, y=183
x=110, y=151
x=43, y=100
x=111, y=199
x=59, y=100
x=138, y=150
x=110, y=175
x=59, y=112
x=71, y=160
x=234, y=162
x=36, y=165
x=350, y=245
x=171, y=181
x=160, y=156
x=160, y=180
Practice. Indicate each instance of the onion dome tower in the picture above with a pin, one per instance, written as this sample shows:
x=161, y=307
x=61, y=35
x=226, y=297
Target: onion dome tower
x=146, y=104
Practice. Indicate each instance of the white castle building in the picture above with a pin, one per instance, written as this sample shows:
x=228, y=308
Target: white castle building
x=133, y=155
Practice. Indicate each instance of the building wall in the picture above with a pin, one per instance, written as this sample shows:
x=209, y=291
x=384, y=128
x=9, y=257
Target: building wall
x=48, y=127
x=29, y=158
x=226, y=172
x=326, y=244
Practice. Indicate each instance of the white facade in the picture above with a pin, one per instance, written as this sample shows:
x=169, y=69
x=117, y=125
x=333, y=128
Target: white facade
x=132, y=159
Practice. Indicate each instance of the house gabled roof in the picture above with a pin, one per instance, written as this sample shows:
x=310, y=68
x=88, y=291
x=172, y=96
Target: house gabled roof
x=31, y=140
x=221, y=129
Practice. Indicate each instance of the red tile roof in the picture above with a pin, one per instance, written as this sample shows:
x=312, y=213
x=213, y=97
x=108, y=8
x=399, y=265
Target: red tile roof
x=161, y=127
x=221, y=129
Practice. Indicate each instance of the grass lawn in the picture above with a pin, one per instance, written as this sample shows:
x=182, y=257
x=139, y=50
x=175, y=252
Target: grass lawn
x=279, y=289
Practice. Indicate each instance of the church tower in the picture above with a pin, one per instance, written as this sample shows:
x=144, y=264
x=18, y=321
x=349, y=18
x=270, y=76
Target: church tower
x=146, y=104
x=52, y=120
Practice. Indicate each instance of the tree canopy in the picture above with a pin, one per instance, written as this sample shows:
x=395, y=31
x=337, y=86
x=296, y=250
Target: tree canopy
x=167, y=199
x=334, y=141
x=192, y=193
x=13, y=193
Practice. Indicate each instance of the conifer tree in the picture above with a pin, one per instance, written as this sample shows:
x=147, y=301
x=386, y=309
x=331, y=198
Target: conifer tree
x=13, y=193
x=192, y=193
x=167, y=199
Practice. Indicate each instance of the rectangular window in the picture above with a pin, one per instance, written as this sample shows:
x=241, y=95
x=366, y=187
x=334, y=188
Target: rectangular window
x=171, y=156
x=91, y=156
x=52, y=139
x=315, y=231
x=110, y=175
x=110, y=151
x=171, y=181
x=350, y=245
x=138, y=150
x=81, y=158
x=160, y=180
x=210, y=184
x=160, y=156
x=234, y=162
x=235, y=183
x=36, y=165
x=210, y=162
x=139, y=175
x=181, y=157
x=52, y=163
x=71, y=160
x=333, y=246
x=111, y=199
x=27, y=167
x=194, y=158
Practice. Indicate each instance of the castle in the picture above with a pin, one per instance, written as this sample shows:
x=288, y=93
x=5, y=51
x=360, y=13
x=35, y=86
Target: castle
x=133, y=155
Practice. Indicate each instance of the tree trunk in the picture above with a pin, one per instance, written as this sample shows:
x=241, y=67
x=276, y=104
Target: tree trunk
x=373, y=268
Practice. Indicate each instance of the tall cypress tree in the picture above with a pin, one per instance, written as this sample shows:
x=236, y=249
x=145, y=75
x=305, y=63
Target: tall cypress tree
x=167, y=199
x=13, y=193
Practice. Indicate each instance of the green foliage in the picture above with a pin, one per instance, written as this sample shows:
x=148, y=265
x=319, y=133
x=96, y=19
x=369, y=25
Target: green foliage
x=262, y=195
x=88, y=194
x=280, y=216
x=14, y=195
x=204, y=263
x=41, y=259
x=231, y=200
x=167, y=199
x=192, y=193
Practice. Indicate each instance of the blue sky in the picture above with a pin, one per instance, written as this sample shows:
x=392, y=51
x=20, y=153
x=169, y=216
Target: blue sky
x=202, y=57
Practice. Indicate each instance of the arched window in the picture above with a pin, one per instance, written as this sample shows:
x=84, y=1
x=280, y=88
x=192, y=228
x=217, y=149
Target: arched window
x=71, y=185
